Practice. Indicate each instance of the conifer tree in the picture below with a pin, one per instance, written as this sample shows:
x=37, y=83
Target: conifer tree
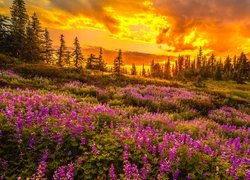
x=143, y=71
x=47, y=48
x=152, y=73
x=77, y=54
x=167, y=70
x=19, y=19
x=89, y=64
x=5, y=37
x=243, y=69
x=218, y=73
x=102, y=65
x=199, y=59
x=133, y=70
x=33, y=51
x=227, y=68
x=68, y=58
x=62, y=52
x=118, y=63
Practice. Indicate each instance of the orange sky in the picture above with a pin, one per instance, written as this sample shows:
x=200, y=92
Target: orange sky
x=168, y=27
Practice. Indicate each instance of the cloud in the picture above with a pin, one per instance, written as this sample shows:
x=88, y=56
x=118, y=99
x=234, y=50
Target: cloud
x=217, y=21
x=174, y=25
x=90, y=8
x=99, y=9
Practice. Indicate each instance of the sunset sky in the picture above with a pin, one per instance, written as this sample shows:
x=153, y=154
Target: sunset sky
x=167, y=27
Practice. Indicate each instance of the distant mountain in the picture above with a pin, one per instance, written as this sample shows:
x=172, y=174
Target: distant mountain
x=128, y=57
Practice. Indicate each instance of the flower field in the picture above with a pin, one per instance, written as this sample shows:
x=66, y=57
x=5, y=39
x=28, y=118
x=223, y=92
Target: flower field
x=80, y=131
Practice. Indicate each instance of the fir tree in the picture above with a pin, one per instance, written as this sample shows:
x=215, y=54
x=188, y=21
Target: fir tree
x=89, y=64
x=118, y=63
x=68, y=58
x=33, y=51
x=102, y=65
x=228, y=68
x=19, y=19
x=199, y=58
x=218, y=73
x=62, y=52
x=243, y=69
x=47, y=49
x=5, y=37
x=167, y=70
x=152, y=73
x=143, y=71
x=77, y=54
x=133, y=70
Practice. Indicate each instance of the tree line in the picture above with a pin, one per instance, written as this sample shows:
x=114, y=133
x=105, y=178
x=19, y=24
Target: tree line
x=203, y=67
x=23, y=37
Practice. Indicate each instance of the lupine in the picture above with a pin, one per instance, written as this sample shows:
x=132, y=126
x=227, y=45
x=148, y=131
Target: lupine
x=54, y=118
x=112, y=174
x=64, y=172
x=41, y=170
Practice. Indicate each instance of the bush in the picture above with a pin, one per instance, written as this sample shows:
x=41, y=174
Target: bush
x=203, y=106
x=48, y=71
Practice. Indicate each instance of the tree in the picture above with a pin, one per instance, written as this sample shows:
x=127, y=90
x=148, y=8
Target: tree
x=102, y=65
x=167, y=69
x=228, y=68
x=4, y=34
x=89, y=64
x=62, y=51
x=48, y=50
x=33, y=51
x=118, y=63
x=143, y=71
x=211, y=64
x=19, y=19
x=243, y=69
x=68, y=58
x=199, y=58
x=152, y=73
x=218, y=73
x=133, y=70
x=77, y=54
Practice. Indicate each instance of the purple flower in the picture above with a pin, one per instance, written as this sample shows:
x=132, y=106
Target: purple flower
x=112, y=174
x=83, y=141
x=64, y=172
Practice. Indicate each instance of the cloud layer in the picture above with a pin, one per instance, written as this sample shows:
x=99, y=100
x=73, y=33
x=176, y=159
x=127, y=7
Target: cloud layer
x=176, y=25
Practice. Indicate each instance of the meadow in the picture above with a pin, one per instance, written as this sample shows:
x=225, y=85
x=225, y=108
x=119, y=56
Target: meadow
x=65, y=124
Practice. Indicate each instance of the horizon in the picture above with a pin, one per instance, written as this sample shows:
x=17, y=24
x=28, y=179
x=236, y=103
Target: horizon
x=153, y=27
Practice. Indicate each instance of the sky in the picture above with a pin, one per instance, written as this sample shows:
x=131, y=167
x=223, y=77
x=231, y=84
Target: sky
x=164, y=27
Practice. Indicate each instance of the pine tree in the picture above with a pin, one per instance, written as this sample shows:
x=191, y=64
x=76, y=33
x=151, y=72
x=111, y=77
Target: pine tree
x=228, y=68
x=62, y=52
x=19, y=19
x=133, y=70
x=68, y=58
x=243, y=69
x=143, y=71
x=199, y=59
x=33, y=51
x=102, y=65
x=167, y=70
x=77, y=54
x=47, y=49
x=118, y=63
x=152, y=72
x=211, y=65
x=5, y=37
x=218, y=73
x=89, y=64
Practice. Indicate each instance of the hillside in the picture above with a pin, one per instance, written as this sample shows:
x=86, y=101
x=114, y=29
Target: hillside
x=65, y=123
